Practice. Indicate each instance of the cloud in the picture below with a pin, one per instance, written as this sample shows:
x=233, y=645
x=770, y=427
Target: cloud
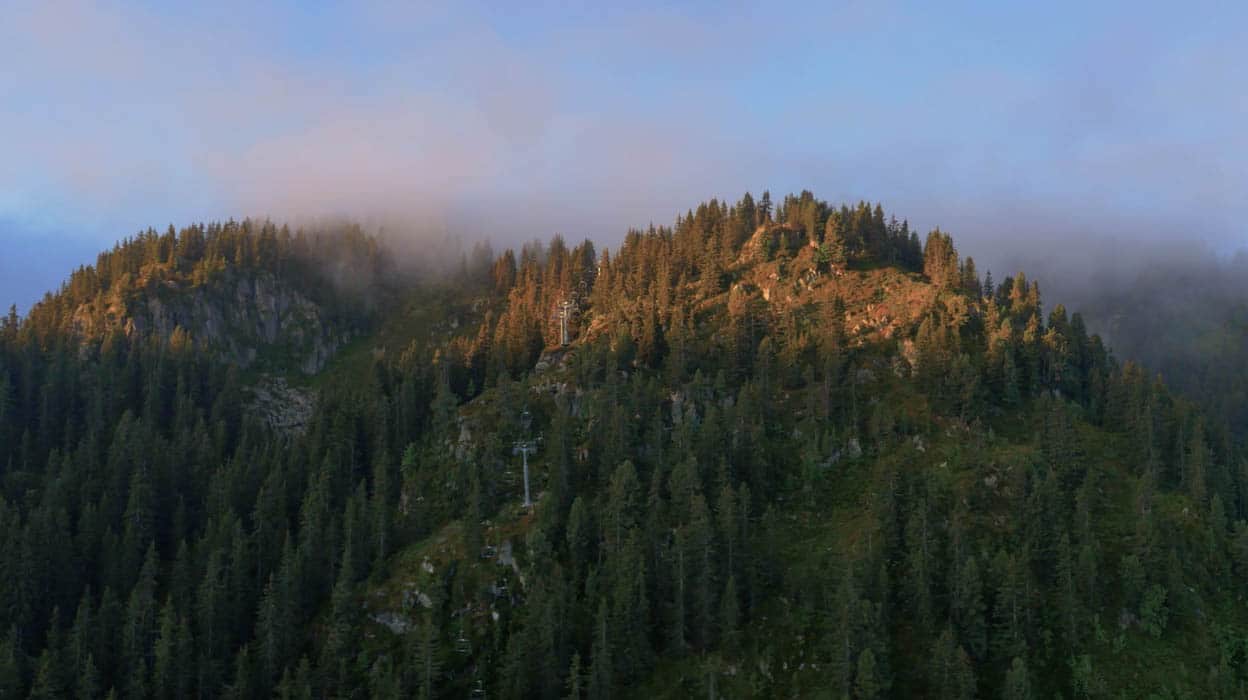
x=588, y=120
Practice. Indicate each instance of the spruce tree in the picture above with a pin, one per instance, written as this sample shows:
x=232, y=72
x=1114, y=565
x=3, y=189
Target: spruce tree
x=968, y=609
x=427, y=659
x=601, y=671
x=867, y=684
x=1017, y=684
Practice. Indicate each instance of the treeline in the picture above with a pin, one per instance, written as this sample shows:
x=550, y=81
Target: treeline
x=1046, y=576
x=986, y=503
x=155, y=539
x=339, y=267
x=650, y=288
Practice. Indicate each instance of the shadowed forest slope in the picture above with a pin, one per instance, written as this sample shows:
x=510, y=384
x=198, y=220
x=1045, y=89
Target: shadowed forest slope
x=788, y=449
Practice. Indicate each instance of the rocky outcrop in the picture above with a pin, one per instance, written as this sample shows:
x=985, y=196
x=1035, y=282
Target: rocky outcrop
x=282, y=407
x=769, y=239
x=242, y=316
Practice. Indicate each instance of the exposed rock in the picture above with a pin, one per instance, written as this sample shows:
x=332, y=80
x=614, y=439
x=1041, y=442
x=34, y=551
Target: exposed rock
x=678, y=399
x=1127, y=619
x=504, y=554
x=392, y=622
x=413, y=597
x=910, y=353
x=767, y=239
x=557, y=358
x=241, y=316
x=284, y=408
x=506, y=558
x=575, y=404
x=901, y=368
x=853, y=449
x=464, y=442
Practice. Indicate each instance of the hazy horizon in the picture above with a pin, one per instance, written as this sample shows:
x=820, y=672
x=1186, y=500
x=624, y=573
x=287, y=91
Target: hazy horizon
x=1022, y=132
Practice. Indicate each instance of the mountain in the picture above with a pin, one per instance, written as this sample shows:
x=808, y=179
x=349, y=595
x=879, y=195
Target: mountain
x=234, y=289
x=781, y=450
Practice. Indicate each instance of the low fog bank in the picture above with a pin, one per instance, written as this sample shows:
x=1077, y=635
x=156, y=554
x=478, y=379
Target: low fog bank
x=1178, y=306
x=1088, y=274
x=1141, y=277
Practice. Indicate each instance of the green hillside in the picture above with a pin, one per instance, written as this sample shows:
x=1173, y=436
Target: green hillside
x=787, y=451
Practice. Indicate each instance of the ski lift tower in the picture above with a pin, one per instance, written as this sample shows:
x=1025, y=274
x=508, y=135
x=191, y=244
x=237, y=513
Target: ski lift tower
x=524, y=448
x=567, y=308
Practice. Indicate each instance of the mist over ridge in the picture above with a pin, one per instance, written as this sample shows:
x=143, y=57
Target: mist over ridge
x=588, y=122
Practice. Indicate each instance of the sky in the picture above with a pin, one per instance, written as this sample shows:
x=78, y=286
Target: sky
x=1025, y=129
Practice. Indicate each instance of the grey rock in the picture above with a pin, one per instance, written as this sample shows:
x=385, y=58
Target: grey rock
x=392, y=622
x=284, y=408
x=238, y=315
x=853, y=450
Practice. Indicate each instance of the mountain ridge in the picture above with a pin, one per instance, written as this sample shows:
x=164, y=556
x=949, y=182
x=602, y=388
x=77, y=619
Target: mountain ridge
x=788, y=450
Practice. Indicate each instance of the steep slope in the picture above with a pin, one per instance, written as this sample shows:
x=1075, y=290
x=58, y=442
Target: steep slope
x=788, y=451
x=237, y=315
x=251, y=294
x=947, y=497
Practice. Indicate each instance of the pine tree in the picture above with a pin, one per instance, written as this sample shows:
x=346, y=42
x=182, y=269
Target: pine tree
x=244, y=685
x=1009, y=609
x=141, y=616
x=832, y=250
x=920, y=552
x=49, y=682
x=730, y=616
x=82, y=637
x=385, y=683
x=624, y=504
x=381, y=507
x=88, y=686
x=274, y=633
x=940, y=260
x=843, y=619
x=1196, y=467
x=474, y=538
x=12, y=665
x=165, y=670
x=677, y=634
x=866, y=681
x=1017, y=681
x=699, y=542
x=1067, y=597
x=968, y=609
x=601, y=673
x=652, y=345
x=575, y=680
x=335, y=665
x=950, y=674
x=427, y=658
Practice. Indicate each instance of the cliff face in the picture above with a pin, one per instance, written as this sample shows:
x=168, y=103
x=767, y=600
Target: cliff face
x=245, y=317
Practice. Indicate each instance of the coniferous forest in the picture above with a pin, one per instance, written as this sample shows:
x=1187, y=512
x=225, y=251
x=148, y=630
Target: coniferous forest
x=780, y=448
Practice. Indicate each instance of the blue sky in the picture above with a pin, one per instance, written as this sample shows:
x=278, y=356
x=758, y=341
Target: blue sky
x=1020, y=127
